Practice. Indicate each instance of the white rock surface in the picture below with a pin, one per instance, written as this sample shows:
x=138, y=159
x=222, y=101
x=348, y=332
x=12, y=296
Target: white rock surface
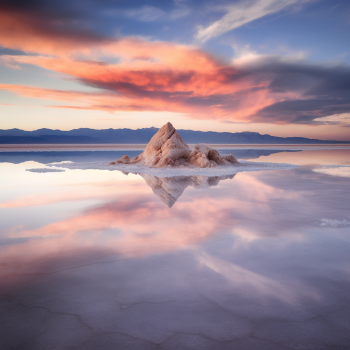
x=177, y=171
x=167, y=148
x=45, y=170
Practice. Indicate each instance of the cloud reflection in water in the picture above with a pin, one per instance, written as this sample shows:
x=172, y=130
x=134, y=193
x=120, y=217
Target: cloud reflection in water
x=246, y=257
x=267, y=204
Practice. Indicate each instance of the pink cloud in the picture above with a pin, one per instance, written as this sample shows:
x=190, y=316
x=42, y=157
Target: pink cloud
x=162, y=76
x=191, y=82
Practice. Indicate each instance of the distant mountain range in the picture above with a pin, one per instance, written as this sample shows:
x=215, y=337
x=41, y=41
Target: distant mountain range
x=45, y=157
x=142, y=136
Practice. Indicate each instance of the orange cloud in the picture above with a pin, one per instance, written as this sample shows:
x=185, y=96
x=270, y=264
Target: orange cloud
x=147, y=76
x=141, y=75
x=34, y=32
x=182, y=79
x=99, y=101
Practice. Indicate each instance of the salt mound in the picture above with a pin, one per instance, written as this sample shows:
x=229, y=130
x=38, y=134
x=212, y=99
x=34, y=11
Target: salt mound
x=167, y=148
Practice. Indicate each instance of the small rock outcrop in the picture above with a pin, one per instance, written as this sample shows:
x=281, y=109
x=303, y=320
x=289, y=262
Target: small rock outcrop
x=167, y=148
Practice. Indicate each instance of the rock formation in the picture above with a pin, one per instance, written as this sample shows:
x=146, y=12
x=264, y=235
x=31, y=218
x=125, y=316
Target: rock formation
x=167, y=148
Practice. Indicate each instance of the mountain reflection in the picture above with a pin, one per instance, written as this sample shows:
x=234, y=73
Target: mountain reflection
x=170, y=189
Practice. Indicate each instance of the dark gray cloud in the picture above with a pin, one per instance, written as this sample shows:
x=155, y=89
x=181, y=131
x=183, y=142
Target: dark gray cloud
x=50, y=10
x=58, y=20
x=323, y=90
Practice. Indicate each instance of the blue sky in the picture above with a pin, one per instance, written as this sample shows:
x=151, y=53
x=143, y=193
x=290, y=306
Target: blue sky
x=273, y=66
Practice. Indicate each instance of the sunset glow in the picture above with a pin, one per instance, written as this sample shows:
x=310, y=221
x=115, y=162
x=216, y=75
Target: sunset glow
x=174, y=174
x=89, y=75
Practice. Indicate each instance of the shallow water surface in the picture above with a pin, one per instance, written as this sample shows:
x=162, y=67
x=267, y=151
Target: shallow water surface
x=96, y=259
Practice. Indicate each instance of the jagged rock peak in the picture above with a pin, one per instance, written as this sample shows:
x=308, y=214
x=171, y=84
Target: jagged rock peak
x=166, y=148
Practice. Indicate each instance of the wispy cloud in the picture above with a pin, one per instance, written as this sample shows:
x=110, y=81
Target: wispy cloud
x=335, y=119
x=181, y=10
x=242, y=13
x=256, y=283
x=145, y=13
x=9, y=63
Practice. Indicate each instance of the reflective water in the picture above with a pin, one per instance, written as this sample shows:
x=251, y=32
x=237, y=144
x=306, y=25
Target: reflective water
x=95, y=259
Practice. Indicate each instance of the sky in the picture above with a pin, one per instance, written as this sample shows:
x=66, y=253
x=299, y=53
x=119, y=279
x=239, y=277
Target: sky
x=278, y=67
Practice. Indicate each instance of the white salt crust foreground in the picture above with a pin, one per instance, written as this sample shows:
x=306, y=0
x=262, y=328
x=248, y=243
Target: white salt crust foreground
x=45, y=170
x=178, y=171
x=171, y=172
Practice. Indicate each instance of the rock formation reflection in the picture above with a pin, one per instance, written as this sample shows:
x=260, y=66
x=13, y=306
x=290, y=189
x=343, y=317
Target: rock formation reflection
x=170, y=189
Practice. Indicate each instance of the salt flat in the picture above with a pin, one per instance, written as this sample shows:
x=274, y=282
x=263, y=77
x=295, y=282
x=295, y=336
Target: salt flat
x=92, y=258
